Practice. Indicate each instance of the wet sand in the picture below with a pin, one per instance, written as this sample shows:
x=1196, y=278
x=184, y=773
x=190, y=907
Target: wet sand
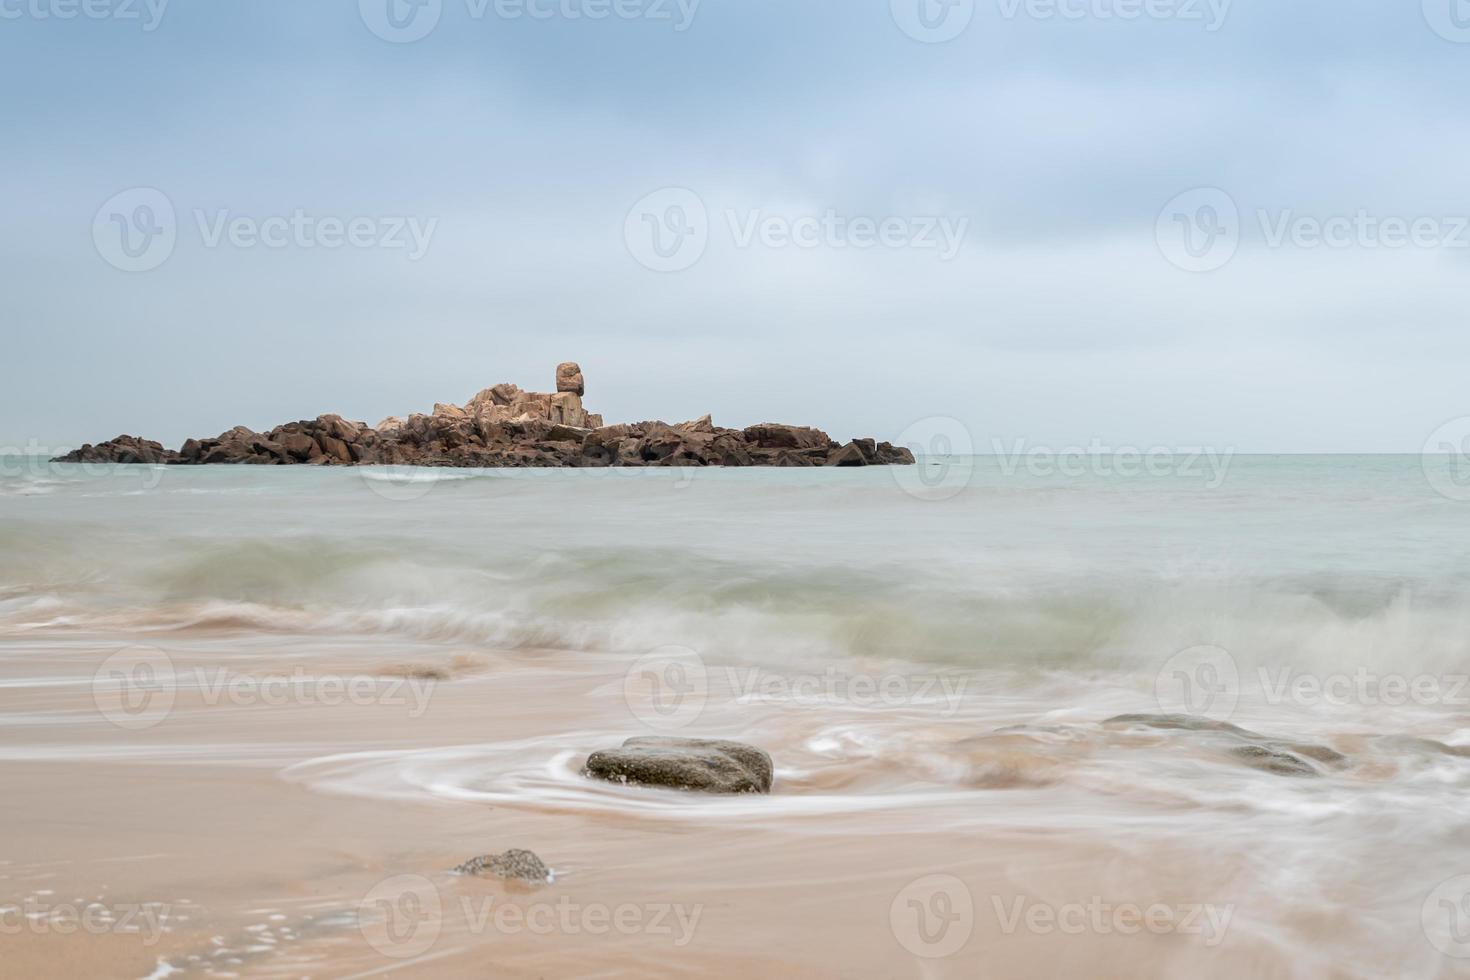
x=314, y=839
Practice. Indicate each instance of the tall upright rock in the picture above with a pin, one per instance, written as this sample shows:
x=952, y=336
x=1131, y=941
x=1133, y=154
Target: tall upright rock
x=569, y=379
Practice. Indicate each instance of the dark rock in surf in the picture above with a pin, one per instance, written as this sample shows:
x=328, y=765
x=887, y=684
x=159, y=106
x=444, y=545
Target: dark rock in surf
x=696, y=765
x=1276, y=756
x=1188, y=723
x=1274, y=761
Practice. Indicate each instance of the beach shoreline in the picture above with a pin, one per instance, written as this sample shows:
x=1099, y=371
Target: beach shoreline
x=1115, y=726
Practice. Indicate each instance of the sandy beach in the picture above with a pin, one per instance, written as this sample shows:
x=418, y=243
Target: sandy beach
x=227, y=756
x=262, y=840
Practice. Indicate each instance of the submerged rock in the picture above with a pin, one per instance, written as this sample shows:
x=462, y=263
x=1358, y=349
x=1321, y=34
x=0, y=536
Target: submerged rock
x=1277, y=756
x=513, y=865
x=1321, y=753
x=1189, y=723
x=699, y=765
x=1273, y=761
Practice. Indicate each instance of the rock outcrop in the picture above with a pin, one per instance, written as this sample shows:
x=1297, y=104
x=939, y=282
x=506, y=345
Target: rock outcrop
x=504, y=426
x=123, y=449
x=697, y=765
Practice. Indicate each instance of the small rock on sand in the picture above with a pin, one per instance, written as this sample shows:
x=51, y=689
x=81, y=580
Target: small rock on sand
x=513, y=865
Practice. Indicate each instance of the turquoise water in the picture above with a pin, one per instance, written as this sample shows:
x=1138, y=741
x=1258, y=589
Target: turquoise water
x=1316, y=559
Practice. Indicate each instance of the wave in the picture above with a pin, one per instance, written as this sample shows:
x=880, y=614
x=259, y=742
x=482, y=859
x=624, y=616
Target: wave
x=729, y=609
x=869, y=762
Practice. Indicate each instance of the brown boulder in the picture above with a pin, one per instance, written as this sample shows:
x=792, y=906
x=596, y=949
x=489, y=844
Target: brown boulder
x=299, y=446
x=499, y=395
x=702, y=424
x=849, y=455
x=443, y=411
x=566, y=408
x=233, y=451
x=776, y=436
x=729, y=450
x=527, y=429
x=568, y=433
x=670, y=446
x=610, y=434
x=335, y=449
x=891, y=455
x=536, y=405
x=240, y=434
x=597, y=453
x=569, y=379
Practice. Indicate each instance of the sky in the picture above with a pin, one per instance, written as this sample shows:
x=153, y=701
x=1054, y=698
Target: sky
x=1051, y=223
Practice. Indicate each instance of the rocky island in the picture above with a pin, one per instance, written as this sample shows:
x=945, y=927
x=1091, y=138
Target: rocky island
x=504, y=426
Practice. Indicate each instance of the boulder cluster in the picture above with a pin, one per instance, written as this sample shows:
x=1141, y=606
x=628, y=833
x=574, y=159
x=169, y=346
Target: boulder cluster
x=504, y=426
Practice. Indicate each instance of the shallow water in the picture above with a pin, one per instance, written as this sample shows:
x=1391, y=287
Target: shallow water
x=343, y=678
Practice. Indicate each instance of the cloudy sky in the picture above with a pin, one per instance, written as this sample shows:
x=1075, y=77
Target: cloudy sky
x=1143, y=222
